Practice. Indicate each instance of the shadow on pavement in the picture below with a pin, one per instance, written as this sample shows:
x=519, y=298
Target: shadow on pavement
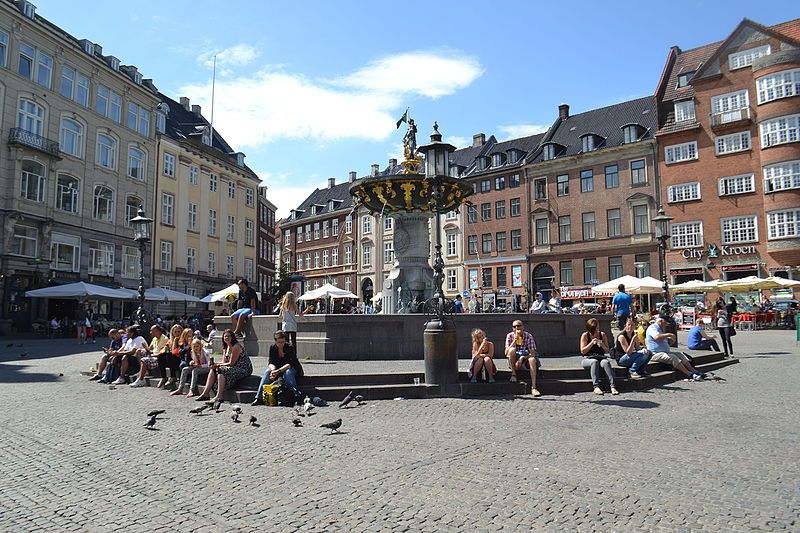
x=14, y=374
x=631, y=404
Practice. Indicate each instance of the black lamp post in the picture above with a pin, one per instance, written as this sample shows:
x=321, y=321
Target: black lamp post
x=661, y=222
x=141, y=234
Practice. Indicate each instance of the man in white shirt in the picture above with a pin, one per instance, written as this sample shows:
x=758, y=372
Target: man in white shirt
x=130, y=351
x=539, y=305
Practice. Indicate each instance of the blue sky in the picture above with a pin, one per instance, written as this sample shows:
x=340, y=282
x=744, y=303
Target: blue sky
x=311, y=90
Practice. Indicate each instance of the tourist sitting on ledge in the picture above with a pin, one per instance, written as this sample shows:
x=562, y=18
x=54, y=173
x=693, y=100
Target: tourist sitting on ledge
x=658, y=344
x=482, y=354
x=594, y=347
x=149, y=359
x=699, y=339
x=108, y=353
x=235, y=366
x=521, y=353
x=539, y=305
x=283, y=363
x=128, y=356
x=197, y=367
x=630, y=353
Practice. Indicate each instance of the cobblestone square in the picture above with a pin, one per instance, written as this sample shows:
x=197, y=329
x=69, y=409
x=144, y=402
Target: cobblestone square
x=707, y=456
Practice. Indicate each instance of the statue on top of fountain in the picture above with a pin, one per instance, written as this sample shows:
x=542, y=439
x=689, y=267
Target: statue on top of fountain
x=412, y=163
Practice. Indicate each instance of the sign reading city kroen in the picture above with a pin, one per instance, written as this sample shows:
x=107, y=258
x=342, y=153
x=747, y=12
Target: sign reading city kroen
x=715, y=251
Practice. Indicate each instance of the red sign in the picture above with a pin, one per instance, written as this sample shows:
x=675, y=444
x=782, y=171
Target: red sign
x=738, y=268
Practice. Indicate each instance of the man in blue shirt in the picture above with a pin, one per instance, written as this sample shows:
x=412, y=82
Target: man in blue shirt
x=698, y=340
x=621, y=306
x=459, y=304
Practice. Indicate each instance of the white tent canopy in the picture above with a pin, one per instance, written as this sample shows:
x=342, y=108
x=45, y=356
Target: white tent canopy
x=347, y=295
x=696, y=285
x=224, y=294
x=752, y=283
x=325, y=291
x=158, y=294
x=633, y=285
x=79, y=289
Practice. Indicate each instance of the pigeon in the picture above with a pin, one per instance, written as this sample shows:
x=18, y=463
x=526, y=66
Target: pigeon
x=297, y=422
x=199, y=410
x=235, y=417
x=151, y=422
x=333, y=426
x=24, y=354
x=253, y=420
x=359, y=400
x=10, y=345
x=299, y=411
x=156, y=412
x=308, y=407
x=237, y=409
x=347, y=400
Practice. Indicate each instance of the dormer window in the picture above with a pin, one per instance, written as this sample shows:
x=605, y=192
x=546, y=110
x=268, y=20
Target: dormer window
x=482, y=163
x=632, y=133
x=206, y=137
x=454, y=171
x=745, y=58
x=88, y=46
x=161, y=122
x=590, y=142
x=240, y=159
x=685, y=78
x=497, y=160
x=513, y=156
x=551, y=151
x=137, y=77
x=330, y=205
x=113, y=62
x=28, y=9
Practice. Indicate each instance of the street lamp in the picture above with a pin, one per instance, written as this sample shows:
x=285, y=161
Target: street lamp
x=141, y=234
x=661, y=222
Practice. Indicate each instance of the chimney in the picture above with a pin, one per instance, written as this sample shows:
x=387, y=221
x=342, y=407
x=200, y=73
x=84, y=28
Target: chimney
x=353, y=176
x=375, y=169
x=563, y=111
x=196, y=109
x=393, y=162
x=185, y=103
x=331, y=182
x=479, y=139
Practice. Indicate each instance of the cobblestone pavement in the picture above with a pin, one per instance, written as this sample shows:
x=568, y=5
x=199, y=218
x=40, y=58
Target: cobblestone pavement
x=710, y=456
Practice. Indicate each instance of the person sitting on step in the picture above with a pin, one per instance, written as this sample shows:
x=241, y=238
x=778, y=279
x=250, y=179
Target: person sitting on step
x=631, y=353
x=149, y=359
x=235, y=366
x=283, y=363
x=108, y=353
x=658, y=345
x=699, y=339
x=197, y=367
x=594, y=347
x=521, y=353
x=128, y=356
x=482, y=354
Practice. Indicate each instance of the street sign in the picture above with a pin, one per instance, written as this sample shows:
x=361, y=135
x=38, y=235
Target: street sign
x=465, y=294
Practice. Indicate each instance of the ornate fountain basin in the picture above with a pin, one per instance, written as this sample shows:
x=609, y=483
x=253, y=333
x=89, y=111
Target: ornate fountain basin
x=409, y=192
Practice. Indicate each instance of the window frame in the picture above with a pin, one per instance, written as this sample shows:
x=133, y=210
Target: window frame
x=167, y=209
x=686, y=234
x=107, y=150
x=73, y=193
x=564, y=229
x=678, y=153
x=725, y=234
x=745, y=58
x=615, y=223
x=39, y=188
x=683, y=192
x=773, y=224
x=791, y=177
x=791, y=132
x=142, y=167
x=778, y=85
x=733, y=143
x=589, y=227
x=562, y=185
x=615, y=182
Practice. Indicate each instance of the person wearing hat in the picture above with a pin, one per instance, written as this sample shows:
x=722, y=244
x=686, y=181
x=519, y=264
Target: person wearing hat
x=539, y=305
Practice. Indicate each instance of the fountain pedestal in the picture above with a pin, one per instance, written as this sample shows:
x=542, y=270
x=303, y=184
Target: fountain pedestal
x=411, y=279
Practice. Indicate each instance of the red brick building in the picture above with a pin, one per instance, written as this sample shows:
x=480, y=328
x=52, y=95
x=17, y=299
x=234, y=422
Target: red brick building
x=729, y=151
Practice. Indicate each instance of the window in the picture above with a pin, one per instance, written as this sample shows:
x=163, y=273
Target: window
x=136, y=164
x=686, y=234
x=388, y=252
x=486, y=211
x=500, y=241
x=103, y=204
x=192, y=225
x=308, y=232
x=487, y=277
x=67, y=194
x=212, y=264
x=729, y=107
x=486, y=243
x=212, y=182
x=33, y=183
x=679, y=152
x=502, y=276
x=590, y=271
x=540, y=189
x=562, y=185
x=630, y=133
x=615, y=267
x=497, y=160
x=106, y=151
x=348, y=253
x=231, y=233
x=780, y=130
x=735, y=142
x=782, y=176
x=779, y=85
x=564, y=229
x=737, y=185
x=451, y=244
x=65, y=252
x=229, y=266
x=3, y=48
x=71, y=138
x=325, y=258
x=366, y=224
x=25, y=241
x=212, y=222
x=642, y=264
x=587, y=181
x=516, y=239
x=739, y=229
x=366, y=254
x=191, y=261
x=500, y=209
x=685, y=78
x=35, y=65
x=472, y=244
x=249, y=232
x=451, y=279
x=641, y=220
x=316, y=231
x=249, y=197
x=231, y=189
x=161, y=122
x=589, y=229
x=745, y=58
x=588, y=143
x=684, y=111
x=326, y=229
x=542, y=232
x=169, y=165
x=614, y=222
x=167, y=209
x=513, y=181
x=108, y=103
x=683, y=193
x=130, y=262
x=486, y=185
x=451, y=215
x=565, y=271
x=472, y=213
x=500, y=183
x=335, y=257
x=132, y=206
x=193, y=173
x=30, y=117
x=138, y=119
x=515, y=207
x=316, y=259
x=612, y=176
x=101, y=258
x=638, y=172
x=549, y=152
x=783, y=224
x=287, y=237
x=347, y=283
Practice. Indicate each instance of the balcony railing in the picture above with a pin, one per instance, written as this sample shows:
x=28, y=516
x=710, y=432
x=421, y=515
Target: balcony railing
x=31, y=140
x=730, y=117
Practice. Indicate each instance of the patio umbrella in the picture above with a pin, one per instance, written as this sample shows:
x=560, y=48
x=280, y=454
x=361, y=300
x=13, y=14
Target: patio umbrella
x=325, y=291
x=222, y=295
x=347, y=294
x=632, y=285
x=158, y=294
x=784, y=283
x=79, y=289
x=750, y=283
x=695, y=285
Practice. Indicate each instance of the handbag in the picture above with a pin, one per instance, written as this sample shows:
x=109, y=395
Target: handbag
x=731, y=331
x=270, y=393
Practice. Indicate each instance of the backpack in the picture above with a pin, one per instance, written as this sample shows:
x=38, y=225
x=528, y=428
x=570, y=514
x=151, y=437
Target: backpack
x=284, y=394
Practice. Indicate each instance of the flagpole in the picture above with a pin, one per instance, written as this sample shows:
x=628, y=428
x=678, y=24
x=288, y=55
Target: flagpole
x=213, y=87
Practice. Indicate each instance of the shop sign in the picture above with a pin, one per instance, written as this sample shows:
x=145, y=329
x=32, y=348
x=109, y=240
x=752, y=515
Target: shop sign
x=713, y=251
x=575, y=293
x=504, y=291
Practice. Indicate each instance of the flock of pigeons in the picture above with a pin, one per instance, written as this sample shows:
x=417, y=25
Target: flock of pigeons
x=305, y=410
x=23, y=354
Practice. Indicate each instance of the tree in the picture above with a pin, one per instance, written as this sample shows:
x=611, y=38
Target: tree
x=281, y=287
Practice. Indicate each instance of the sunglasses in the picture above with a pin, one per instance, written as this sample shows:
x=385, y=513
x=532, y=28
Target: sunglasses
x=518, y=326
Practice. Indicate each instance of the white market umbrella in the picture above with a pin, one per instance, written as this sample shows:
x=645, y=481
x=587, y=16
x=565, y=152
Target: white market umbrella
x=159, y=294
x=377, y=297
x=347, y=295
x=633, y=285
x=749, y=283
x=784, y=283
x=695, y=285
x=77, y=290
x=222, y=295
x=325, y=291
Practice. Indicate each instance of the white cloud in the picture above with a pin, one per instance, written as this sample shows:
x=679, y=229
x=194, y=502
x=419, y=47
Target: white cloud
x=458, y=141
x=235, y=56
x=514, y=131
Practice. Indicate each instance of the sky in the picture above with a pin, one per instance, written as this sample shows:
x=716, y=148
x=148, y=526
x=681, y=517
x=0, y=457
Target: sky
x=312, y=89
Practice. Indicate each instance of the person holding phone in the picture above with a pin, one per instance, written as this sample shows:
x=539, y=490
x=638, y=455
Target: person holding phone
x=594, y=347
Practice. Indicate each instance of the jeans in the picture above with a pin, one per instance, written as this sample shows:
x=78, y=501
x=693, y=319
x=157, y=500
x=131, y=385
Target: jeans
x=593, y=365
x=725, y=337
x=289, y=377
x=196, y=373
x=706, y=344
x=622, y=319
x=634, y=361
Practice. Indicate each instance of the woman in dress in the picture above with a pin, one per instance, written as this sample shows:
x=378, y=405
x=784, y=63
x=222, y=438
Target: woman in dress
x=288, y=317
x=482, y=354
x=234, y=367
x=594, y=347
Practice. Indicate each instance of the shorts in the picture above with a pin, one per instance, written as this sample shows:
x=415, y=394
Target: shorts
x=133, y=364
x=245, y=312
x=149, y=362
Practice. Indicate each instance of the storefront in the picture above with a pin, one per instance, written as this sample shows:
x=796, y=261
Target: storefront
x=682, y=275
x=732, y=272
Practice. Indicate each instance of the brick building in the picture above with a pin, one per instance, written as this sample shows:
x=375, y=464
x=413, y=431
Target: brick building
x=265, y=243
x=729, y=142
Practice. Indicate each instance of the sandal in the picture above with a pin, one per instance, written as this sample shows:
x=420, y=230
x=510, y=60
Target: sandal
x=513, y=378
x=598, y=391
x=614, y=391
x=202, y=399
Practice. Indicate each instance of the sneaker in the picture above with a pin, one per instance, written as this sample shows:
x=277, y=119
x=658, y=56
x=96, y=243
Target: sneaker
x=491, y=380
x=95, y=377
x=473, y=380
x=635, y=375
x=697, y=377
x=120, y=381
x=138, y=383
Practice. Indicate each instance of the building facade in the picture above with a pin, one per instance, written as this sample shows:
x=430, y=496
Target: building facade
x=729, y=142
x=265, y=242
x=205, y=214
x=80, y=161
